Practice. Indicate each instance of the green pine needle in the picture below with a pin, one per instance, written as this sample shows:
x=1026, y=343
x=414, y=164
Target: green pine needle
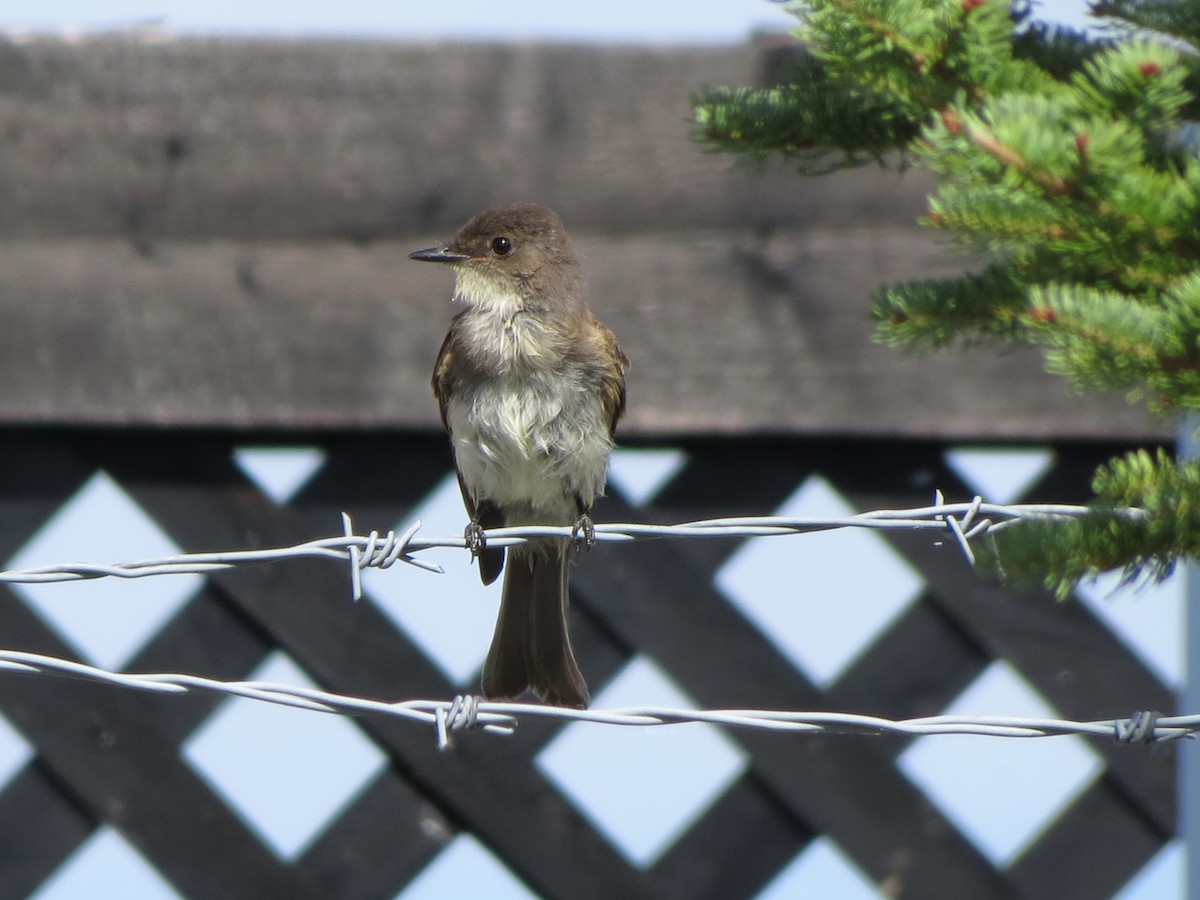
x=1058, y=554
x=1071, y=163
x=813, y=120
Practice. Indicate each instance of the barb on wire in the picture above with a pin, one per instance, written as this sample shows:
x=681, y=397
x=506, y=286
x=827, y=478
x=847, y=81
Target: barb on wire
x=463, y=713
x=962, y=521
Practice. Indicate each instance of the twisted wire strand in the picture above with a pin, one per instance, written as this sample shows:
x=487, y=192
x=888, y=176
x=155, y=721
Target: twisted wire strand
x=467, y=712
x=961, y=522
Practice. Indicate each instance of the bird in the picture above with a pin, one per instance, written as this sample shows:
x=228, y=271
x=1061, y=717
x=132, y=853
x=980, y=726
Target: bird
x=530, y=386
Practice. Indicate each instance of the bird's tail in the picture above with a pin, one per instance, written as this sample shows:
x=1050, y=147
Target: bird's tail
x=531, y=649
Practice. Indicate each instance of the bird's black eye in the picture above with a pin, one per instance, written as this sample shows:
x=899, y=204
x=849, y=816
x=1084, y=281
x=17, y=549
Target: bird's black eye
x=501, y=246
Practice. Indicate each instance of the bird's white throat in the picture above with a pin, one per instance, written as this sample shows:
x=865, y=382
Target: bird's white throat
x=484, y=293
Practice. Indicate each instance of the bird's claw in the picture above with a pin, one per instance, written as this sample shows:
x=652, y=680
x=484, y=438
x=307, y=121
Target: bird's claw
x=475, y=538
x=584, y=533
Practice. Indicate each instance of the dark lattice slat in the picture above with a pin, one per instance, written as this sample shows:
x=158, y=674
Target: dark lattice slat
x=104, y=746
x=1072, y=660
x=721, y=662
x=40, y=826
x=889, y=679
x=380, y=842
x=353, y=650
x=1070, y=657
x=715, y=859
x=653, y=598
x=1064, y=863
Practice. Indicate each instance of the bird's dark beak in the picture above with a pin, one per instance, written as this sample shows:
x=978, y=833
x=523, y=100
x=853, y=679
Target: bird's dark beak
x=437, y=254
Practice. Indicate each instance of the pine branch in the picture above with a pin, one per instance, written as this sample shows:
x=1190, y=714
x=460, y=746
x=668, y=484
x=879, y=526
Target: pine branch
x=1180, y=20
x=1108, y=340
x=1060, y=554
x=814, y=120
x=927, y=315
x=1078, y=177
x=1071, y=163
x=1171, y=17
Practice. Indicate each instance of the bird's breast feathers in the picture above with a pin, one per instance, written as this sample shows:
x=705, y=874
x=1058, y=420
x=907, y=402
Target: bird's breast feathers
x=528, y=426
x=529, y=440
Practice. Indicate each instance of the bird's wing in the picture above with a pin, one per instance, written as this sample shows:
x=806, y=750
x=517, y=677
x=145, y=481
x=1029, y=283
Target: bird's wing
x=486, y=514
x=612, y=379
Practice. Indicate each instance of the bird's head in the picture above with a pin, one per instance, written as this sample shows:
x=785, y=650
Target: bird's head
x=511, y=256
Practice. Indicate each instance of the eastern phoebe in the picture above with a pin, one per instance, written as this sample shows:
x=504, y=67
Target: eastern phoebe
x=530, y=386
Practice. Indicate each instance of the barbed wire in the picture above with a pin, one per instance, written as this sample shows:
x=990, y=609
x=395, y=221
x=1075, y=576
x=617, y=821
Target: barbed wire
x=961, y=522
x=467, y=712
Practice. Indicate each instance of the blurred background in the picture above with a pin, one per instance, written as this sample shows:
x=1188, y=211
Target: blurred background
x=213, y=340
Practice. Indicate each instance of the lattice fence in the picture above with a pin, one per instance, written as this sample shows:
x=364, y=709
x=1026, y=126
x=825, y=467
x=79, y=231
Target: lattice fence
x=170, y=783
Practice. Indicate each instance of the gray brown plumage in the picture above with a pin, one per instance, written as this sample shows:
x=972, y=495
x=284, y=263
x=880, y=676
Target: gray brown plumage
x=530, y=386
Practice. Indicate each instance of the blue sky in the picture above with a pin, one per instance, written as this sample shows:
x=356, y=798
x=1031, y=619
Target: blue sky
x=699, y=21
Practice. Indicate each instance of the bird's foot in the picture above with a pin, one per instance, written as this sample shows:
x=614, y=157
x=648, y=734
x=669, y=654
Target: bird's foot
x=475, y=538
x=584, y=534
